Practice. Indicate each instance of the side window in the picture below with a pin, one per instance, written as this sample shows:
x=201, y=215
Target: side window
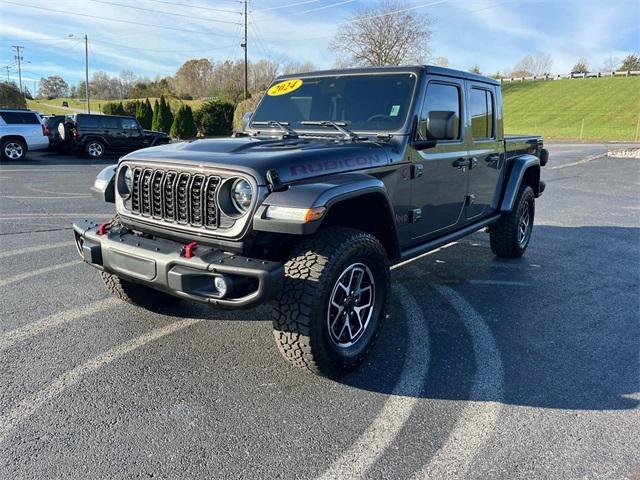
x=87, y=121
x=110, y=123
x=440, y=116
x=30, y=118
x=129, y=124
x=482, y=114
x=12, y=118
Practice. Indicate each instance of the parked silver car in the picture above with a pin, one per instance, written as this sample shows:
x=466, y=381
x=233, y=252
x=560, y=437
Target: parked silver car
x=21, y=131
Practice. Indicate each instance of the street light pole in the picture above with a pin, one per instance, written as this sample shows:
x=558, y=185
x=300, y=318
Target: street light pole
x=86, y=71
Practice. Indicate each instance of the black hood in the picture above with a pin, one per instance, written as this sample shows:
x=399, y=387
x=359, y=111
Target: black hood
x=155, y=133
x=293, y=159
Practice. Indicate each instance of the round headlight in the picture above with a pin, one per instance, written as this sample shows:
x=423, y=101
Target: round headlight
x=125, y=182
x=241, y=194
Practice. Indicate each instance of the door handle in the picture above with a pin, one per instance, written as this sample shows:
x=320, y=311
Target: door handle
x=461, y=163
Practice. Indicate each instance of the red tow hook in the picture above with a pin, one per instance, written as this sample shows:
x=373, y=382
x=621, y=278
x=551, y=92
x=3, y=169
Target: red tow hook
x=188, y=249
x=103, y=227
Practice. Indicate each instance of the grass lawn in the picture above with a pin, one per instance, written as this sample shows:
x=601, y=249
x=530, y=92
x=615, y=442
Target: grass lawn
x=591, y=109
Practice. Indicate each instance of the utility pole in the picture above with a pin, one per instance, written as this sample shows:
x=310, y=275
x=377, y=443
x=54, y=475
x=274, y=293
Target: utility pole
x=8, y=67
x=18, y=59
x=246, y=62
x=86, y=71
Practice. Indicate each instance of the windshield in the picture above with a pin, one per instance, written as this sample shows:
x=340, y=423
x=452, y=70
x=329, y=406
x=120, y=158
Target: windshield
x=377, y=102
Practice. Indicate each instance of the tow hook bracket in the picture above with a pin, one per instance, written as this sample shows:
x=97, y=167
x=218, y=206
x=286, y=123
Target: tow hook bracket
x=103, y=227
x=187, y=251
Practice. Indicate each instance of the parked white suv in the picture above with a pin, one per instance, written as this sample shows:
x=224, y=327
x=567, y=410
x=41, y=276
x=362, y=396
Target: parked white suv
x=21, y=131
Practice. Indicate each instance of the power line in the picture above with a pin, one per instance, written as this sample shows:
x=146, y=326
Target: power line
x=163, y=50
x=131, y=22
x=325, y=7
x=164, y=13
x=199, y=7
x=286, y=6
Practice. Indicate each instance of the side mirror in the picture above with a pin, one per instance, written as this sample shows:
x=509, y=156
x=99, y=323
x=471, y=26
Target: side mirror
x=424, y=144
x=246, y=118
x=441, y=125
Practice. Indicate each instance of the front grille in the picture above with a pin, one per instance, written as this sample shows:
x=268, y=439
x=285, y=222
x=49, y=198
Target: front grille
x=184, y=198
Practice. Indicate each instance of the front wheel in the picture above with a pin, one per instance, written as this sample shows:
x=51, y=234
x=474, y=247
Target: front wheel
x=13, y=150
x=333, y=301
x=510, y=236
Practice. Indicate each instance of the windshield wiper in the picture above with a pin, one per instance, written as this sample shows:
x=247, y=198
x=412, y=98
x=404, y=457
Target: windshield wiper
x=340, y=127
x=287, y=131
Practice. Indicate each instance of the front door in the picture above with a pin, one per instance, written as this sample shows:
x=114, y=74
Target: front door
x=134, y=137
x=485, y=149
x=440, y=180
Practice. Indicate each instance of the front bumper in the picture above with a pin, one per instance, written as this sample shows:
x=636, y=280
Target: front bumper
x=160, y=264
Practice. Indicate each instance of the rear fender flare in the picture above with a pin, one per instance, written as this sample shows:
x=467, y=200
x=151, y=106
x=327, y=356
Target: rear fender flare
x=520, y=166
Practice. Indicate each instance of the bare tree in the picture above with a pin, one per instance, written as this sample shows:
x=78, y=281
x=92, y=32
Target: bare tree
x=441, y=62
x=581, y=66
x=297, y=67
x=610, y=64
x=194, y=78
x=386, y=34
x=261, y=74
x=530, y=65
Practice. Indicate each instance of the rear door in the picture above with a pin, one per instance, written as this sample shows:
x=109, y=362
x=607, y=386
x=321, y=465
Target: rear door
x=26, y=124
x=485, y=149
x=440, y=180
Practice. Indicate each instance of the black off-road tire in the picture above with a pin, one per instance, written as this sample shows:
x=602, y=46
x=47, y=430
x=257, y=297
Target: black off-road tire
x=136, y=294
x=504, y=234
x=300, y=314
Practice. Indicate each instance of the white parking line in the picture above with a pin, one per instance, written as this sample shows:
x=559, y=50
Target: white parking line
x=40, y=197
x=10, y=420
x=480, y=414
x=406, y=262
x=34, y=273
x=38, y=248
x=506, y=283
x=10, y=338
x=395, y=413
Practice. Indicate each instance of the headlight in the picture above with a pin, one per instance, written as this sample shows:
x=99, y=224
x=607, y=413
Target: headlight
x=125, y=182
x=241, y=195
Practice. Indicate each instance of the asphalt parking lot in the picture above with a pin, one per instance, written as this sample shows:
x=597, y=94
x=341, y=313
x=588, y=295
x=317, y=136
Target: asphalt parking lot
x=485, y=369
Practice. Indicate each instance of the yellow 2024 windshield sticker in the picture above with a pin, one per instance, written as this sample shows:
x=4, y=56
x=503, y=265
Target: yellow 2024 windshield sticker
x=285, y=87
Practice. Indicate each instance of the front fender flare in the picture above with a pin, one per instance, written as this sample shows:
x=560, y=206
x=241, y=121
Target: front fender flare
x=519, y=167
x=325, y=192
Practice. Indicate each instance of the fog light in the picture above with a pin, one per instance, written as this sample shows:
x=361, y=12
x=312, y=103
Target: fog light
x=221, y=285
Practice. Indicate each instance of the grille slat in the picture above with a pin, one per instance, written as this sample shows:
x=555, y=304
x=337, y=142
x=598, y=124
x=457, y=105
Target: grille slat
x=181, y=197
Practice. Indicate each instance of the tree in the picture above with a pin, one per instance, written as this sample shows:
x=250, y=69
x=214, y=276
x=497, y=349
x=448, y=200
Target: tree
x=144, y=114
x=441, y=62
x=183, y=126
x=386, y=34
x=630, y=63
x=261, y=74
x=215, y=118
x=248, y=105
x=154, y=118
x=610, y=64
x=53, y=87
x=581, y=66
x=297, y=67
x=131, y=107
x=127, y=79
x=475, y=69
x=164, y=118
x=194, y=78
x=530, y=66
x=10, y=96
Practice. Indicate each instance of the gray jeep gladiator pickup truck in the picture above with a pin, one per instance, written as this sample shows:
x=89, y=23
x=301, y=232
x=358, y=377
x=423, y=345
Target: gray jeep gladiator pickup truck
x=336, y=176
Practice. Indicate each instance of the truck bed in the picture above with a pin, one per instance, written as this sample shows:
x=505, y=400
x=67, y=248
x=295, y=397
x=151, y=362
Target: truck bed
x=518, y=144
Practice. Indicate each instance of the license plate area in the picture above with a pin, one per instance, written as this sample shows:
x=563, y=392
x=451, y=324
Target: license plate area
x=133, y=266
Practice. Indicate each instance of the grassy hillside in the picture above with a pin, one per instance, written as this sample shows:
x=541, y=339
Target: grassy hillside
x=55, y=105
x=600, y=108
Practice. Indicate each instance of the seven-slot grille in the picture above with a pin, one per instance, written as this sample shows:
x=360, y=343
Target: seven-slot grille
x=180, y=197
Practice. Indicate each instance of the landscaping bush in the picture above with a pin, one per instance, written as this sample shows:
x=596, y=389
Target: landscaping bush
x=248, y=105
x=144, y=114
x=154, y=117
x=215, y=118
x=183, y=126
x=10, y=96
x=131, y=107
x=163, y=118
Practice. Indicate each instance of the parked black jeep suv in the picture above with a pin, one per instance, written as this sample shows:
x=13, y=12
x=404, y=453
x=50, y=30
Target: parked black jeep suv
x=337, y=175
x=95, y=135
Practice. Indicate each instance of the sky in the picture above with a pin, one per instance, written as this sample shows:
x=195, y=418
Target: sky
x=154, y=37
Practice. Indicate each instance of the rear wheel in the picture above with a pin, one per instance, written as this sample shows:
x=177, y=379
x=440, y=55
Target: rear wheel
x=13, y=149
x=95, y=149
x=333, y=301
x=137, y=294
x=510, y=236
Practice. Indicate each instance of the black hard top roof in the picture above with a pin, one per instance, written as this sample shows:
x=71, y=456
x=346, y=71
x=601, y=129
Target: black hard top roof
x=417, y=69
